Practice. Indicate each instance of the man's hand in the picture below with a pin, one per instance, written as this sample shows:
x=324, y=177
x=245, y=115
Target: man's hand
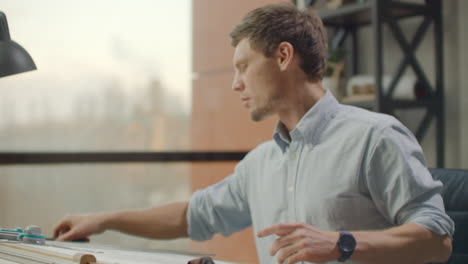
x=301, y=242
x=73, y=227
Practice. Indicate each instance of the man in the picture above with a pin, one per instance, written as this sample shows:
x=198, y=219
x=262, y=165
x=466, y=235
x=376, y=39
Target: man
x=336, y=183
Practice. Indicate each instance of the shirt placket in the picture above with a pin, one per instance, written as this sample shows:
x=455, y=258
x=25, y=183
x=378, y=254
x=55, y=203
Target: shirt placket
x=294, y=152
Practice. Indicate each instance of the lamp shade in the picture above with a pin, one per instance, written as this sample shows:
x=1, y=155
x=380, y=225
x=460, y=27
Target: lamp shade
x=13, y=58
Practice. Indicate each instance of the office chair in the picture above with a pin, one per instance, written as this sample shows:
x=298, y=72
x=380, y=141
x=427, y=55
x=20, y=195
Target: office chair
x=455, y=195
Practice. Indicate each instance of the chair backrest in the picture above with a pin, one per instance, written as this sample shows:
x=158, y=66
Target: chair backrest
x=455, y=195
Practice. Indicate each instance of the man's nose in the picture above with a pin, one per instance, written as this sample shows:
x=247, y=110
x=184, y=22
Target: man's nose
x=237, y=85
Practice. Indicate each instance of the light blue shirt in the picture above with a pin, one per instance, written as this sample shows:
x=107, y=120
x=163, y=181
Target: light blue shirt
x=345, y=168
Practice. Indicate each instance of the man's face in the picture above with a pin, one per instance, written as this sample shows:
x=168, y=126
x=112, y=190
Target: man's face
x=257, y=81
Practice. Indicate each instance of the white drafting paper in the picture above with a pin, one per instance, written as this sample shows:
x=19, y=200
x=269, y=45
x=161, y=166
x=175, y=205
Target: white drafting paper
x=109, y=255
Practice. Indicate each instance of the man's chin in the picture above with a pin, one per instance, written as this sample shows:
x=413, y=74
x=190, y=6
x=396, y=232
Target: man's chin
x=257, y=117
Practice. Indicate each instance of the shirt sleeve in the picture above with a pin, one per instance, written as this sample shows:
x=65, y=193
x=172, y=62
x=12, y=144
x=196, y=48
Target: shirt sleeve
x=401, y=185
x=220, y=208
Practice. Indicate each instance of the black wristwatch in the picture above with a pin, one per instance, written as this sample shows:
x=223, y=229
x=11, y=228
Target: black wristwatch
x=346, y=245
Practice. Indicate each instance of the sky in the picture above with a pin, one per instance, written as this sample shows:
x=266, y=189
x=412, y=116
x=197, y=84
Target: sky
x=82, y=47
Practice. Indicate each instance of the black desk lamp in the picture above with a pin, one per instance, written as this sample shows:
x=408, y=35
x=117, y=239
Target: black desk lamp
x=13, y=58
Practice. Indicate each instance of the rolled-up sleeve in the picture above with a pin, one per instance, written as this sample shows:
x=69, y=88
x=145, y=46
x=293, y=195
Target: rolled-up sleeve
x=401, y=185
x=220, y=208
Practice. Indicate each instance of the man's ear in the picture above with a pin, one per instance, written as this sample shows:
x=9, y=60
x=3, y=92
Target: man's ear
x=284, y=55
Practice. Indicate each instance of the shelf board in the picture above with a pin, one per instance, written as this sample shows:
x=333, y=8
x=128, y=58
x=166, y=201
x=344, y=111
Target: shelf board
x=364, y=101
x=361, y=13
x=368, y=102
x=410, y=104
x=354, y=14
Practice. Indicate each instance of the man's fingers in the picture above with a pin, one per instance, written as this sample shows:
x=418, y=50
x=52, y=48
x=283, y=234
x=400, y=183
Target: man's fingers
x=70, y=235
x=282, y=229
x=284, y=241
x=295, y=252
x=65, y=236
x=297, y=257
x=60, y=228
x=286, y=253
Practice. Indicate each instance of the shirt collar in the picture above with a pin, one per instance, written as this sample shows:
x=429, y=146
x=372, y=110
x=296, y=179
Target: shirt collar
x=311, y=125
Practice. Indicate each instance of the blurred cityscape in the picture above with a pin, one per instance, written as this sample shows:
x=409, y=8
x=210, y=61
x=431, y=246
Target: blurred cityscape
x=111, y=121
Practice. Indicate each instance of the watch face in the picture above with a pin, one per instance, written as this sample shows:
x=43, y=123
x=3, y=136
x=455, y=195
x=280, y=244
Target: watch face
x=347, y=242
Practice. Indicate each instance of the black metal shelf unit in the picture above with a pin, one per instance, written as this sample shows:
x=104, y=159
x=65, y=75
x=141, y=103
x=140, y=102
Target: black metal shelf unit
x=346, y=20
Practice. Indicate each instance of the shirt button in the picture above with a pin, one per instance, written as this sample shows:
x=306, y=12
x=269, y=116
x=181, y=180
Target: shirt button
x=293, y=155
x=290, y=188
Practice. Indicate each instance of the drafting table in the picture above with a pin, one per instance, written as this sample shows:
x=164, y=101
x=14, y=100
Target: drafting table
x=83, y=253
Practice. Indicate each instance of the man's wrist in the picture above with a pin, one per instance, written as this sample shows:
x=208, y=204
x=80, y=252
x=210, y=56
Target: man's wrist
x=107, y=220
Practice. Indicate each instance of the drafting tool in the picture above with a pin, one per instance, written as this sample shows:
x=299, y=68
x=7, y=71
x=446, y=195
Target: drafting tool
x=30, y=235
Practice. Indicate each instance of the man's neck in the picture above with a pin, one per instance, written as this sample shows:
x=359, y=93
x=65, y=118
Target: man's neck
x=304, y=98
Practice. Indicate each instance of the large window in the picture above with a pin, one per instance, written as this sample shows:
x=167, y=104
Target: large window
x=112, y=75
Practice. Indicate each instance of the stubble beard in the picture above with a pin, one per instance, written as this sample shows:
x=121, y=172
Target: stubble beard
x=266, y=109
x=262, y=113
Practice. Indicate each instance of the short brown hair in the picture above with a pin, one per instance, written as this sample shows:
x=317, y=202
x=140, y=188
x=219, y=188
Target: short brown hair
x=266, y=27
